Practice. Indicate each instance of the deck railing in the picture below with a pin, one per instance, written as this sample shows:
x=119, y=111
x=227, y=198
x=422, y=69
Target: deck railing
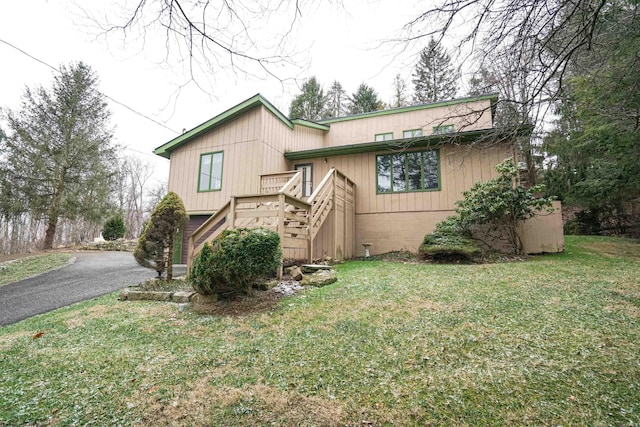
x=296, y=221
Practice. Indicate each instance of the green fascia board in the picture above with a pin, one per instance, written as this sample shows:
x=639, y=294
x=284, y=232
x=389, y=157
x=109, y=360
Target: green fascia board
x=493, y=97
x=406, y=143
x=309, y=124
x=222, y=118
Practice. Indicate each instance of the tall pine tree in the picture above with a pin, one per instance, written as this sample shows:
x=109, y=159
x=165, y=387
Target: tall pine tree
x=59, y=156
x=336, y=104
x=364, y=100
x=434, y=78
x=310, y=104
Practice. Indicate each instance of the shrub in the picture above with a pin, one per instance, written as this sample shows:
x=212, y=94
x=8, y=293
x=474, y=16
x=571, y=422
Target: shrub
x=235, y=261
x=496, y=207
x=155, y=245
x=449, y=242
x=114, y=228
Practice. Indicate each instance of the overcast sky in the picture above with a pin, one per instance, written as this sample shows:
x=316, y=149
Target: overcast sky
x=338, y=42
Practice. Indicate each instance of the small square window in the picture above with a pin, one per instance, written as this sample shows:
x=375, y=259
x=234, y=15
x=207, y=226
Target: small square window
x=384, y=136
x=412, y=133
x=444, y=129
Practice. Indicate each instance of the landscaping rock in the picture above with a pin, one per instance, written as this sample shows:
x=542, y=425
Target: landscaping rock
x=203, y=299
x=182, y=296
x=320, y=278
x=287, y=288
x=295, y=272
x=149, y=296
x=312, y=268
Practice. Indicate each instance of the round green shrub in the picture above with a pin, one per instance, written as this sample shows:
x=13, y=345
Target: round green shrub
x=114, y=228
x=235, y=261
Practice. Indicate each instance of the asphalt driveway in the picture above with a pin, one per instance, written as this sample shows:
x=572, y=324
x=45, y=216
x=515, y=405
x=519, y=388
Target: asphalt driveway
x=91, y=275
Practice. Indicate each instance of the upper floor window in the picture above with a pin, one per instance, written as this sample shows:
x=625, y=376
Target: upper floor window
x=384, y=136
x=402, y=172
x=411, y=133
x=441, y=130
x=210, y=178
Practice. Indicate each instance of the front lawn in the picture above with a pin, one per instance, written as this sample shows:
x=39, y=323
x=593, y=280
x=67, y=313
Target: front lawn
x=15, y=270
x=550, y=341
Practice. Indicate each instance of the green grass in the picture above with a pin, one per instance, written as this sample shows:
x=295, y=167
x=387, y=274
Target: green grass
x=550, y=341
x=31, y=266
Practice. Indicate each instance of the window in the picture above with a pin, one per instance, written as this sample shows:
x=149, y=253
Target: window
x=411, y=133
x=210, y=178
x=402, y=172
x=441, y=130
x=384, y=136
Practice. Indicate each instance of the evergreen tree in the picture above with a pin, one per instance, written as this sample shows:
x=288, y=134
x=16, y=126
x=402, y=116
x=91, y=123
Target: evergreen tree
x=336, y=102
x=364, y=100
x=114, y=228
x=59, y=156
x=155, y=246
x=483, y=82
x=399, y=93
x=310, y=104
x=434, y=78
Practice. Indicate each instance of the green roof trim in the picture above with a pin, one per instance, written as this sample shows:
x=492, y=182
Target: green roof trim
x=309, y=124
x=404, y=143
x=249, y=104
x=493, y=97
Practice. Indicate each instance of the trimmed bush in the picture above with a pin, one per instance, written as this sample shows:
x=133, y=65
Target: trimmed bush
x=449, y=242
x=155, y=245
x=114, y=228
x=235, y=261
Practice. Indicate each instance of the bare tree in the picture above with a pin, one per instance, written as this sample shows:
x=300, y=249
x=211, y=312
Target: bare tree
x=210, y=37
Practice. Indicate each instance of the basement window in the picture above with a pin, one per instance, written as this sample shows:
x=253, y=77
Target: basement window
x=210, y=174
x=407, y=172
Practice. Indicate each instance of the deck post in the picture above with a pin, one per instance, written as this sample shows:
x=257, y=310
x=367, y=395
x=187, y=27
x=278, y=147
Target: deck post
x=336, y=234
x=232, y=213
x=281, y=201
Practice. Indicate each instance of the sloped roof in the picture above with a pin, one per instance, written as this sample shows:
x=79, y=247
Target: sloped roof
x=258, y=100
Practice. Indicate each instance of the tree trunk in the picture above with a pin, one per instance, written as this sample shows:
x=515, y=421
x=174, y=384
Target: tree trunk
x=170, y=261
x=50, y=233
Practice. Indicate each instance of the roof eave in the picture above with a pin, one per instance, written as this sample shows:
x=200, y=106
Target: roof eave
x=495, y=135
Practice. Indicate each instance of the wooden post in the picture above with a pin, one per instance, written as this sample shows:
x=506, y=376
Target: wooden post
x=344, y=222
x=281, y=199
x=335, y=215
x=190, y=248
x=232, y=213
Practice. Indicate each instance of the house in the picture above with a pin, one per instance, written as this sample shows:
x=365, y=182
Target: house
x=383, y=178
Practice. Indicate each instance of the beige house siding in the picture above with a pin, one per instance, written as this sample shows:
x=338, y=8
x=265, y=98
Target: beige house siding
x=464, y=117
x=460, y=167
x=544, y=232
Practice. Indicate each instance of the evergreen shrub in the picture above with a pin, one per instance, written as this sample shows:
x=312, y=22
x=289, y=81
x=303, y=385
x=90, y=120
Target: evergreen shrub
x=114, y=228
x=235, y=261
x=449, y=242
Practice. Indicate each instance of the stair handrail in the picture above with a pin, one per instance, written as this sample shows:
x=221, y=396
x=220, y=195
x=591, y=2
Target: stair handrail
x=296, y=179
x=320, y=186
x=193, y=250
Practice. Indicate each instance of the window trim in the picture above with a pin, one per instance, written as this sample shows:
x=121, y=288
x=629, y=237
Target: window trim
x=453, y=129
x=211, y=153
x=423, y=190
x=375, y=137
x=412, y=133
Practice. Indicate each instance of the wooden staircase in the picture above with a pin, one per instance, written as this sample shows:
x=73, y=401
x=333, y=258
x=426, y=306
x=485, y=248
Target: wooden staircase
x=281, y=207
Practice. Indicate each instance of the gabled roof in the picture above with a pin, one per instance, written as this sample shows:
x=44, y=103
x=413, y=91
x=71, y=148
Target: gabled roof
x=258, y=100
x=222, y=118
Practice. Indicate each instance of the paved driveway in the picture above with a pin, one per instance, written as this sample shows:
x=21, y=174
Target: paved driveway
x=91, y=275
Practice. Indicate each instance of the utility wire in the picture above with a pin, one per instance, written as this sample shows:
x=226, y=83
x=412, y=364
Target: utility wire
x=102, y=93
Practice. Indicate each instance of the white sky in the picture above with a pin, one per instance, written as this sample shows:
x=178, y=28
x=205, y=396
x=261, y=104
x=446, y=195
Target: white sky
x=341, y=42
